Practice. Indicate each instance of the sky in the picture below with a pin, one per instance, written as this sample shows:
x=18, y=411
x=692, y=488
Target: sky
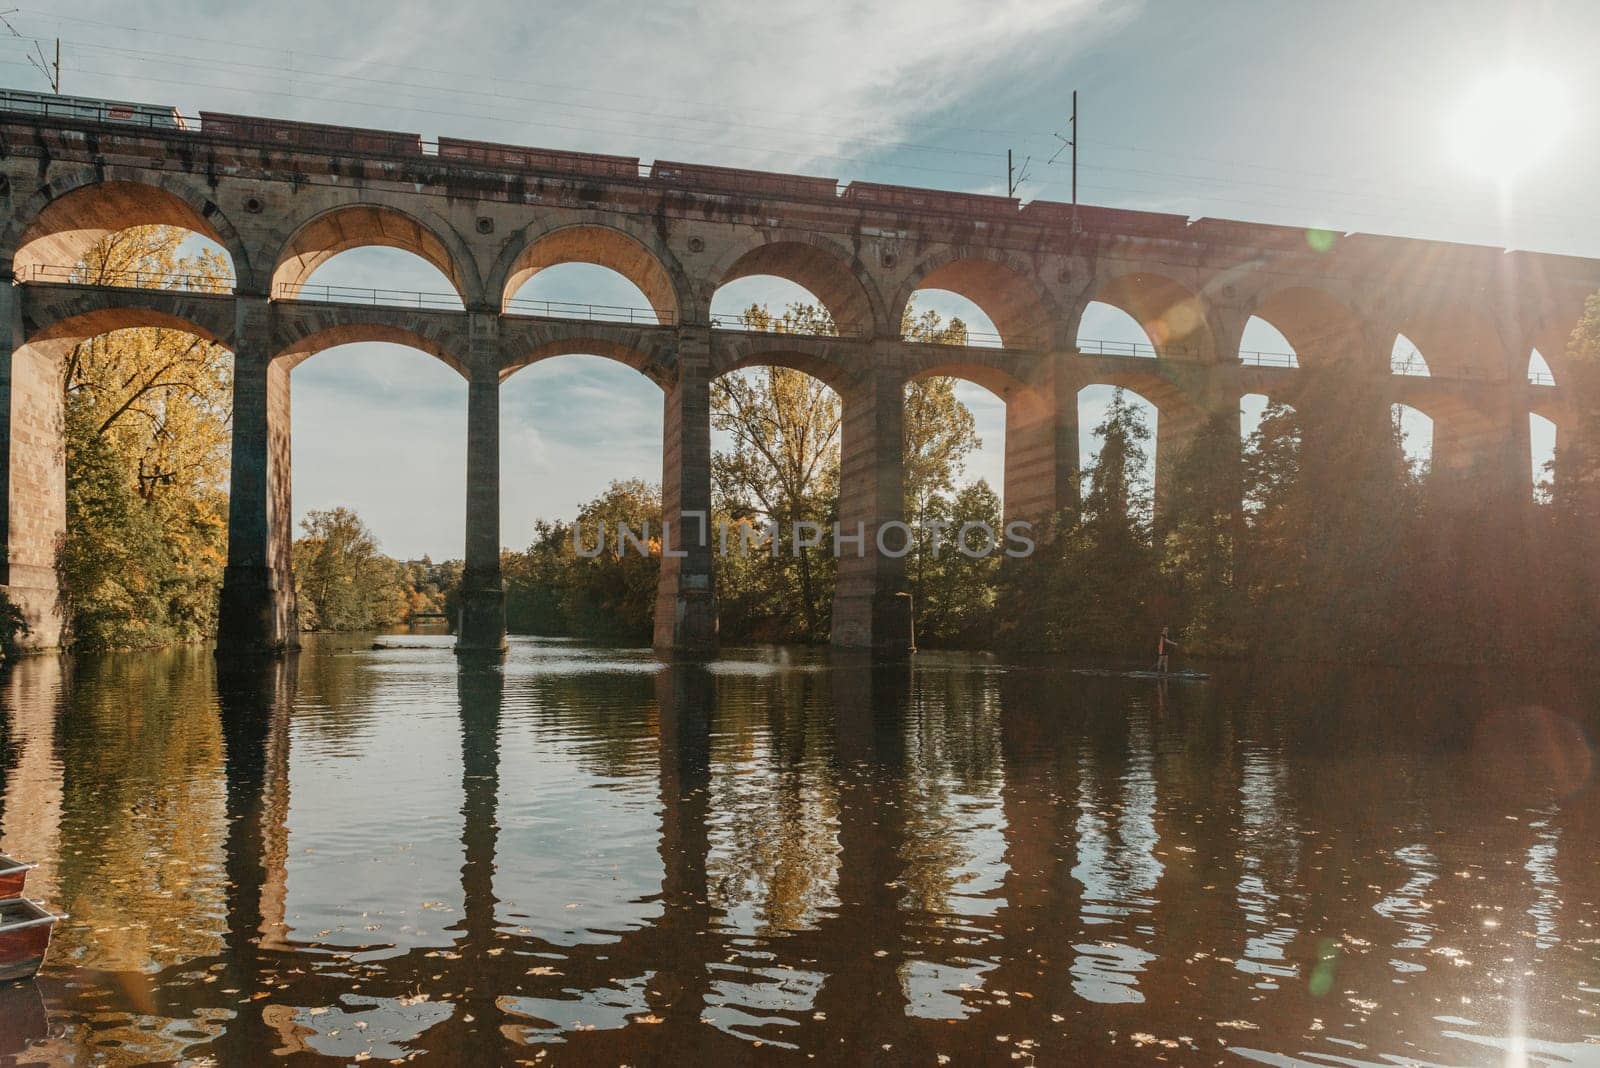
x=1461, y=121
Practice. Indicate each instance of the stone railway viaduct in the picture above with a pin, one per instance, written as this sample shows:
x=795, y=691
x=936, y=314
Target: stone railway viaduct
x=284, y=197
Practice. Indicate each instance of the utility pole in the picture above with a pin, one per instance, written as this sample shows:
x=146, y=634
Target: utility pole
x=1072, y=143
x=1074, y=161
x=1014, y=180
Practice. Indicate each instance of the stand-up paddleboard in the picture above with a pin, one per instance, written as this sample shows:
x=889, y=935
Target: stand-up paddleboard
x=1181, y=676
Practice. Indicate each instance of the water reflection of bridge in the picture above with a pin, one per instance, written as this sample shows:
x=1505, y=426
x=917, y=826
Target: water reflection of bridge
x=1124, y=868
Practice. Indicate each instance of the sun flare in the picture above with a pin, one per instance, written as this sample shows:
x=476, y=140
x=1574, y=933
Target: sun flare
x=1509, y=123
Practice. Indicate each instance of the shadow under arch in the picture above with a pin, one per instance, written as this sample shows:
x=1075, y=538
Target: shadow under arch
x=1171, y=314
x=815, y=263
x=59, y=223
x=1021, y=313
x=646, y=264
x=316, y=240
x=1319, y=327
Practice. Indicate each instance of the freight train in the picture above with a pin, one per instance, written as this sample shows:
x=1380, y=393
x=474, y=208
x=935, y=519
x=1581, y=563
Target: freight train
x=282, y=134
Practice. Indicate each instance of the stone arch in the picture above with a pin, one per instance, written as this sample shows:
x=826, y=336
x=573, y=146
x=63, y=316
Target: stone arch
x=51, y=315
x=57, y=337
x=292, y=354
x=1321, y=328
x=637, y=255
x=652, y=361
x=1459, y=341
x=837, y=278
x=1172, y=314
x=1023, y=314
x=313, y=241
x=62, y=219
x=775, y=350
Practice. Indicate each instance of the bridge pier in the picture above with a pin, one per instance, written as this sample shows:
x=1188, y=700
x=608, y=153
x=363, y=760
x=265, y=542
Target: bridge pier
x=481, y=627
x=686, y=595
x=870, y=607
x=35, y=473
x=257, y=612
x=1041, y=464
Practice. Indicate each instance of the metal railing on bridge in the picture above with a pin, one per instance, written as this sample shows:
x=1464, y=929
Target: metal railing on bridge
x=114, y=278
x=1135, y=349
x=1541, y=378
x=1252, y=358
x=738, y=324
x=388, y=298
x=600, y=313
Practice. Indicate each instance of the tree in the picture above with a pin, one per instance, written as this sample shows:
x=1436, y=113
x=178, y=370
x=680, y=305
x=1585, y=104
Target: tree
x=783, y=468
x=147, y=415
x=341, y=580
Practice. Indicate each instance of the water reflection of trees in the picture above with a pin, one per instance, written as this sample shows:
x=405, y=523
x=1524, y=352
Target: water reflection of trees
x=142, y=756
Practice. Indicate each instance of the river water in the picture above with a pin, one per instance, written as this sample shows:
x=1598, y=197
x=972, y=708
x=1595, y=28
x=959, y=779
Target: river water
x=586, y=856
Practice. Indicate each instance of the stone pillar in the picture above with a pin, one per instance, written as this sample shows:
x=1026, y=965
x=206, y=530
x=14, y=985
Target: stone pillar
x=35, y=474
x=1041, y=476
x=1486, y=443
x=869, y=609
x=686, y=597
x=257, y=611
x=481, y=627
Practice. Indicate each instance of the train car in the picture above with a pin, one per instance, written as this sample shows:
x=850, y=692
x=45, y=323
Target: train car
x=1099, y=220
x=909, y=198
x=89, y=109
x=319, y=137
x=544, y=160
x=738, y=180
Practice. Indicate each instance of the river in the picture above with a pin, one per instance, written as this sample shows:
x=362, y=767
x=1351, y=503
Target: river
x=587, y=856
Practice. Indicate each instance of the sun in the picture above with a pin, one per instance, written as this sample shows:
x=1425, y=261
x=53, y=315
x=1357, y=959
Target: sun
x=1509, y=124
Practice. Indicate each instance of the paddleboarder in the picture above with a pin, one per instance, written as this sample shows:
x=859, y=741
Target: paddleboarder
x=1163, y=645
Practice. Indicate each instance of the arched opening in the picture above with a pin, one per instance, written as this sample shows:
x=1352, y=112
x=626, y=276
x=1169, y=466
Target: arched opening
x=1252, y=407
x=587, y=292
x=782, y=273
x=1105, y=330
x=1097, y=406
x=1457, y=341
x=128, y=235
x=1406, y=359
x=1171, y=319
x=1000, y=306
x=1416, y=437
x=1306, y=323
x=379, y=276
x=128, y=412
x=956, y=467
x=369, y=239
x=377, y=464
x=1542, y=445
x=776, y=431
x=571, y=569
x=1269, y=434
x=1263, y=345
x=940, y=317
x=593, y=273
x=1539, y=373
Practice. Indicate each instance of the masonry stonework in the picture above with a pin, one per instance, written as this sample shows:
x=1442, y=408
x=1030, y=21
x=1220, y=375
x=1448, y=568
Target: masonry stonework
x=283, y=197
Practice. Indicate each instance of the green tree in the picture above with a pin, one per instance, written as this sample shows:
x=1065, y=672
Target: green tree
x=342, y=581
x=147, y=414
x=783, y=468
